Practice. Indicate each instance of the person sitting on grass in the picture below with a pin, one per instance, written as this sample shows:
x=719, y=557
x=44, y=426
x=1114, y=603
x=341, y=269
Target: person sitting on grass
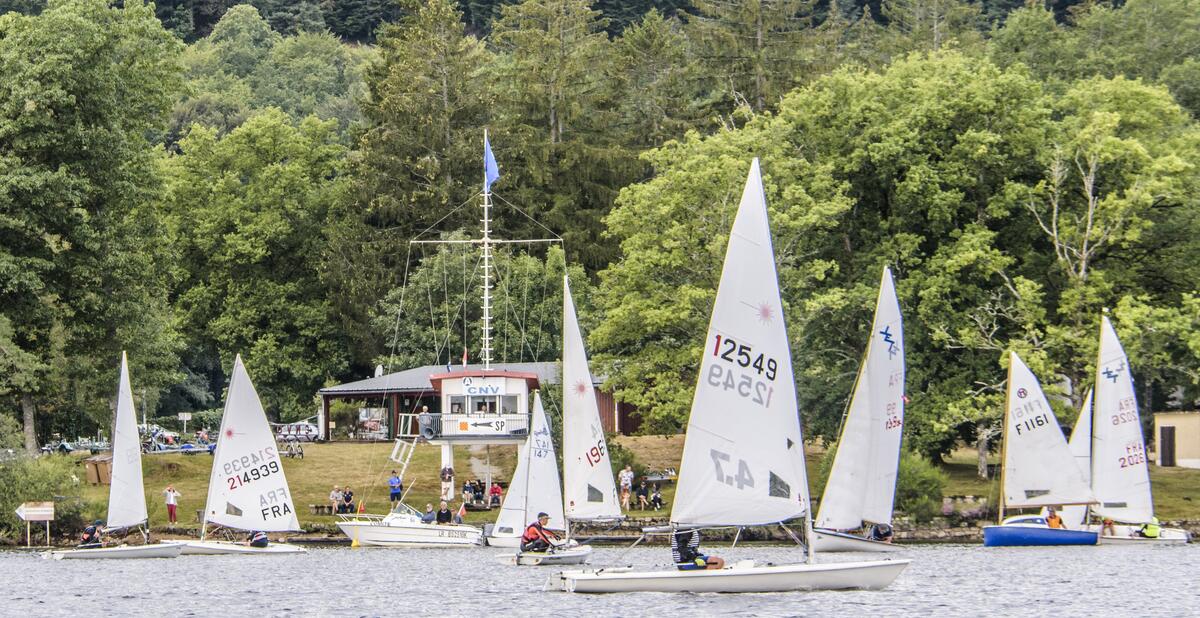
x=537, y=537
x=656, y=499
x=347, y=501
x=643, y=496
x=685, y=550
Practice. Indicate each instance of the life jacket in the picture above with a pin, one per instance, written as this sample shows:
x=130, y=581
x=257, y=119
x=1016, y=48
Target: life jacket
x=1054, y=521
x=532, y=533
x=90, y=535
x=1152, y=529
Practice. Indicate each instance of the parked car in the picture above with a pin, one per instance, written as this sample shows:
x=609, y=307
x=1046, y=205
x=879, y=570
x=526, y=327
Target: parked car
x=302, y=432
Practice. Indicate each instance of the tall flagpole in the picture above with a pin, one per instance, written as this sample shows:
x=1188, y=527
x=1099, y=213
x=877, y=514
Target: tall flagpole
x=486, y=241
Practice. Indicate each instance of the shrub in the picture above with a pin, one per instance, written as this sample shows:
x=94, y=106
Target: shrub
x=621, y=457
x=919, y=487
x=47, y=478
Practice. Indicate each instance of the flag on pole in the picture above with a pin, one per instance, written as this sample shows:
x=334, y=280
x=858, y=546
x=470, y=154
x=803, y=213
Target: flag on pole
x=491, y=171
x=464, y=356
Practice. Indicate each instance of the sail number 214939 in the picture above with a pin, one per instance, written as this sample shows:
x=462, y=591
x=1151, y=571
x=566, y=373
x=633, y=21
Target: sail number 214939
x=743, y=372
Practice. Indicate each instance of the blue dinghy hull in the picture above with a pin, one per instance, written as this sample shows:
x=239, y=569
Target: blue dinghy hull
x=1028, y=536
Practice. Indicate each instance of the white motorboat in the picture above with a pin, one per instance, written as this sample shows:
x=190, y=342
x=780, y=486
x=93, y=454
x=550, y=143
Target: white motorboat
x=862, y=481
x=744, y=576
x=826, y=541
x=743, y=456
x=247, y=489
x=126, y=493
x=151, y=550
x=403, y=528
x=574, y=554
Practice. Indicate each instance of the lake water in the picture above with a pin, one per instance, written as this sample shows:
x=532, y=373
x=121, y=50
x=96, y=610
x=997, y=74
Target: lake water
x=943, y=580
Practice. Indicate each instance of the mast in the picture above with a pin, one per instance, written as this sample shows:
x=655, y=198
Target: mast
x=486, y=243
x=1004, y=436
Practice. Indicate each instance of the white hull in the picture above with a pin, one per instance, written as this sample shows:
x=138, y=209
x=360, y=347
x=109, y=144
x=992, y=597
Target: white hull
x=153, y=550
x=402, y=531
x=504, y=541
x=741, y=577
x=576, y=555
x=1124, y=536
x=833, y=541
x=217, y=548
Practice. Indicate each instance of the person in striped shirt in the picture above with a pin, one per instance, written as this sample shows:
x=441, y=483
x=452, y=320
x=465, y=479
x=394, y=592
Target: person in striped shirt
x=685, y=550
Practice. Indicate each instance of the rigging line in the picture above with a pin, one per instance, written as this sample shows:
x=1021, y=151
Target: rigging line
x=444, y=259
x=518, y=209
x=444, y=217
x=541, y=320
x=524, y=319
x=433, y=327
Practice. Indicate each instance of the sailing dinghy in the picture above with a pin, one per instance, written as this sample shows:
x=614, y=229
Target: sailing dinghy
x=862, y=482
x=1038, y=471
x=743, y=459
x=247, y=489
x=126, y=494
x=1119, y=465
x=535, y=489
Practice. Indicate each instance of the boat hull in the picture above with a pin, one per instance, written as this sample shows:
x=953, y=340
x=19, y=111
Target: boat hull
x=576, y=555
x=825, y=541
x=504, y=541
x=153, y=550
x=220, y=548
x=741, y=577
x=410, y=534
x=1125, y=536
x=1032, y=536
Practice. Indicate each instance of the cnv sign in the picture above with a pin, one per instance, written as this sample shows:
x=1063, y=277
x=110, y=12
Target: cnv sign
x=483, y=386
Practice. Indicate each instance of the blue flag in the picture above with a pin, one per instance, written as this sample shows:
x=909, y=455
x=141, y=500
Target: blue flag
x=491, y=171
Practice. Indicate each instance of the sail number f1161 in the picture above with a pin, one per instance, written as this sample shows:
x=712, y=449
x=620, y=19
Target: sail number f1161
x=746, y=384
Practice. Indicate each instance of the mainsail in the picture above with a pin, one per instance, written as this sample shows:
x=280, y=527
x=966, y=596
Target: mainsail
x=247, y=489
x=862, y=482
x=1120, y=473
x=534, y=487
x=589, y=489
x=1081, y=449
x=1038, y=467
x=743, y=458
x=126, y=495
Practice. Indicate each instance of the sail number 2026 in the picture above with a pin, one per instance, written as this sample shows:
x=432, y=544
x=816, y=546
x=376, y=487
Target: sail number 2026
x=742, y=479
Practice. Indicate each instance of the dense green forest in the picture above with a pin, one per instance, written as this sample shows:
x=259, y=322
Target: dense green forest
x=200, y=178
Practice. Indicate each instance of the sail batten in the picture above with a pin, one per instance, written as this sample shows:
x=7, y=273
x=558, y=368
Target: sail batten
x=1039, y=469
x=1120, y=471
x=126, y=495
x=743, y=457
x=590, y=493
x=862, y=481
x=247, y=489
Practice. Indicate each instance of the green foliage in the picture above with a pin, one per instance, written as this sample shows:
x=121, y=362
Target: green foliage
x=620, y=457
x=10, y=434
x=45, y=479
x=919, y=487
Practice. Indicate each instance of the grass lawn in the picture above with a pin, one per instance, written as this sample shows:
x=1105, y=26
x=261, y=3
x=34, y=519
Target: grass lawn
x=366, y=468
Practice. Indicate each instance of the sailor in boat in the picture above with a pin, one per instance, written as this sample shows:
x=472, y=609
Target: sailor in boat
x=92, y=535
x=881, y=532
x=685, y=550
x=537, y=537
x=258, y=538
x=1149, y=530
x=1053, y=520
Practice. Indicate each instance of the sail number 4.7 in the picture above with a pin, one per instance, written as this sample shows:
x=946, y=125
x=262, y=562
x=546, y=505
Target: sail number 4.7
x=747, y=384
x=743, y=479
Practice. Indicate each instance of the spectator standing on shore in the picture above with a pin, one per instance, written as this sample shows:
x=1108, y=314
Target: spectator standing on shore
x=447, y=475
x=395, y=488
x=172, y=499
x=626, y=478
x=335, y=499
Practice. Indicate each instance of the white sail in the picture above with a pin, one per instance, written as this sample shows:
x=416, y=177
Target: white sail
x=1120, y=473
x=862, y=482
x=534, y=488
x=590, y=492
x=743, y=458
x=126, y=495
x=247, y=489
x=1038, y=467
x=1080, y=446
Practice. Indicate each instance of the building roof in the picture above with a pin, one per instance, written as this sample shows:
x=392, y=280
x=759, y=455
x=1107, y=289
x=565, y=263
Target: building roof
x=417, y=380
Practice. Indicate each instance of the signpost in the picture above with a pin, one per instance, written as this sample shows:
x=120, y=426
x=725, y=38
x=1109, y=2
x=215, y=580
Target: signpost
x=185, y=417
x=36, y=511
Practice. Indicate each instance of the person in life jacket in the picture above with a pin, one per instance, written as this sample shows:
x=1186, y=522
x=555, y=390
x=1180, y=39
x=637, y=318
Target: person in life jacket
x=685, y=551
x=92, y=535
x=258, y=538
x=1053, y=520
x=1150, y=530
x=881, y=532
x=537, y=537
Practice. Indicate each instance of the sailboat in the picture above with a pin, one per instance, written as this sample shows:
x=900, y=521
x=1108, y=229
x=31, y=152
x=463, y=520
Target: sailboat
x=1080, y=445
x=743, y=457
x=862, y=482
x=535, y=489
x=126, y=494
x=1038, y=470
x=1119, y=465
x=247, y=489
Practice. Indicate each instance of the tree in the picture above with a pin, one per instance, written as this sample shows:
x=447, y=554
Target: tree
x=241, y=40
x=81, y=86
x=655, y=71
x=248, y=214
